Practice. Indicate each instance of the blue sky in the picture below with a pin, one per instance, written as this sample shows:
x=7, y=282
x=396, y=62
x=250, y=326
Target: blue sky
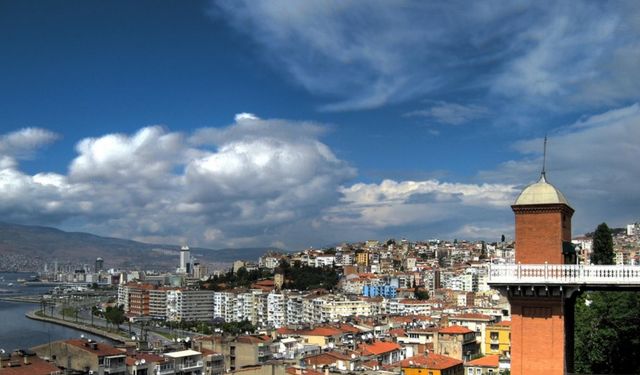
x=294, y=124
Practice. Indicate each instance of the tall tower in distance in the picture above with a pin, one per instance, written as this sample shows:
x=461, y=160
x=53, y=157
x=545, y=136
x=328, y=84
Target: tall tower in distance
x=185, y=260
x=99, y=266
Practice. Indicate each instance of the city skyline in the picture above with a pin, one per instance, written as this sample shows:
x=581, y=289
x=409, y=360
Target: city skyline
x=293, y=125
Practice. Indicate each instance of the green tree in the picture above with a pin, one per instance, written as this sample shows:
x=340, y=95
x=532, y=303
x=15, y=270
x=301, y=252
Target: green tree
x=420, y=293
x=115, y=315
x=483, y=251
x=607, y=333
x=602, y=248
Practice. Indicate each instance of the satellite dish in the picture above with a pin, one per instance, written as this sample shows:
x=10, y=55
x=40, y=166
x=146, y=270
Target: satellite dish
x=353, y=356
x=82, y=337
x=187, y=339
x=2, y=351
x=133, y=338
x=137, y=363
x=143, y=361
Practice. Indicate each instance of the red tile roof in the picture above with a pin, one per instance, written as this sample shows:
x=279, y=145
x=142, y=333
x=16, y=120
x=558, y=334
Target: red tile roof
x=378, y=347
x=431, y=361
x=492, y=361
x=35, y=366
x=101, y=349
x=397, y=332
x=455, y=330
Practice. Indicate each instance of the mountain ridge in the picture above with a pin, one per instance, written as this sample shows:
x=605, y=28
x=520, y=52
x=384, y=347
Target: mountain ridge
x=27, y=247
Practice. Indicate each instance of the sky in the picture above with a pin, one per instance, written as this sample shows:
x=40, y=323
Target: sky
x=308, y=123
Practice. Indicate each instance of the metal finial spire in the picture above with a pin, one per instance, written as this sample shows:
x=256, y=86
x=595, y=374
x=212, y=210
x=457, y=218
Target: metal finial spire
x=544, y=158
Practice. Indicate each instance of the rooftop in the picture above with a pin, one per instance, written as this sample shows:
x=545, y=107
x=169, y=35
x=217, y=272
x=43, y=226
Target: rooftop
x=455, y=330
x=431, y=361
x=491, y=361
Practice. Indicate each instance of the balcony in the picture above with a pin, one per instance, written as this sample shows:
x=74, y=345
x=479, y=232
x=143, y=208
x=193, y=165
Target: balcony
x=561, y=274
x=165, y=371
x=189, y=365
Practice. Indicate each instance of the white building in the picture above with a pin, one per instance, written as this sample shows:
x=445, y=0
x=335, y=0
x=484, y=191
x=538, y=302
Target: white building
x=189, y=305
x=186, y=362
x=185, y=261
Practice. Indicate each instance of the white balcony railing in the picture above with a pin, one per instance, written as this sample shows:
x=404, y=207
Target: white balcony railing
x=189, y=365
x=564, y=274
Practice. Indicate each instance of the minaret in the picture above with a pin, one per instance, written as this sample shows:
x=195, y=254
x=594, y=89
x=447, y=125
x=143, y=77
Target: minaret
x=543, y=223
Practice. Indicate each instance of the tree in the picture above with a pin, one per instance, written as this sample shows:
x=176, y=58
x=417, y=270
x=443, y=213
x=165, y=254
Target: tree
x=115, y=315
x=607, y=324
x=607, y=333
x=420, y=294
x=483, y=251
x=602, y=249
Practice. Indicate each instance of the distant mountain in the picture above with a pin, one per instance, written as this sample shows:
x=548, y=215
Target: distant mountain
x=28, y=247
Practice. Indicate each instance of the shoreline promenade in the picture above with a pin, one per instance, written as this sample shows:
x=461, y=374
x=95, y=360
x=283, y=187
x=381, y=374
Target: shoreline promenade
x=81, y=327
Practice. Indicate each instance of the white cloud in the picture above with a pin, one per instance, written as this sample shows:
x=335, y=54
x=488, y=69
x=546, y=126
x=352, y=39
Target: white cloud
x=245, y=116
x=367, y=54
x=451, y=113
x=22, y=143
x=416, y=208
x=592, y=161
x=156, y=184
x=260, y=181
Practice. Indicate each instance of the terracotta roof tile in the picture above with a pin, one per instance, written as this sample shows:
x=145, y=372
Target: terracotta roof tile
x=455, y=330
x=101, y=349
x=378, y=347
x=36, y=366
x=492, y=361
x=431, y=361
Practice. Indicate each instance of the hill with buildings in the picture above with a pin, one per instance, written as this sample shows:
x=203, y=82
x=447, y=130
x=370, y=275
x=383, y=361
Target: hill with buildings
x=28, y=248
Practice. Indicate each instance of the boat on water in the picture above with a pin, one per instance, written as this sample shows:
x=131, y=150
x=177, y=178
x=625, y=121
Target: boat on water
x=22, y=280
x=10, y=284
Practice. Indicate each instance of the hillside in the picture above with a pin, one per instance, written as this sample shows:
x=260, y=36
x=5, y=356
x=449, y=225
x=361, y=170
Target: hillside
x=29, y=247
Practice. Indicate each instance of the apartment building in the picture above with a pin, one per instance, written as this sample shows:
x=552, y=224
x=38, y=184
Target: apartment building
x=498, y=339
x=189, y=305
x=186, y=362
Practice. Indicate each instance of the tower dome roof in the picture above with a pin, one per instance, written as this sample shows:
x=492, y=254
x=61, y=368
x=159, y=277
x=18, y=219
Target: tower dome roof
x=541, y=192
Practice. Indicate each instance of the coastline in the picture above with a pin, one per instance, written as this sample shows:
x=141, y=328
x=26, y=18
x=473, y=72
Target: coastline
x=93, y=330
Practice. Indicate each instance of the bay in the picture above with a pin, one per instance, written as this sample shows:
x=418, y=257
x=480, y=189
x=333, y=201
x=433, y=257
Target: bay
x=19, y=332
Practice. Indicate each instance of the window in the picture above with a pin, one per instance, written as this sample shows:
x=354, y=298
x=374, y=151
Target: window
x=495, y=335
x=495, y=347
x=478, y=371
x=470, y=371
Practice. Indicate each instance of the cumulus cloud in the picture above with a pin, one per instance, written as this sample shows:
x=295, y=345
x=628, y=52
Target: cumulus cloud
x=232, y=186
x=24, y=142
x=423, y=208
x=368, y=54
x=269, y=181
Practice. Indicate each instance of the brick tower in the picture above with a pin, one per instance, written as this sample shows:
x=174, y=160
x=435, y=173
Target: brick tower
x=543, y=236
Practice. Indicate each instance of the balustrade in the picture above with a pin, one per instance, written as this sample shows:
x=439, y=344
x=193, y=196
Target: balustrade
x=564, y=274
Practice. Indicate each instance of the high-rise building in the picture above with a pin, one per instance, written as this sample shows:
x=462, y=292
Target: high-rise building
x=99, y=265
x=185, y=260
